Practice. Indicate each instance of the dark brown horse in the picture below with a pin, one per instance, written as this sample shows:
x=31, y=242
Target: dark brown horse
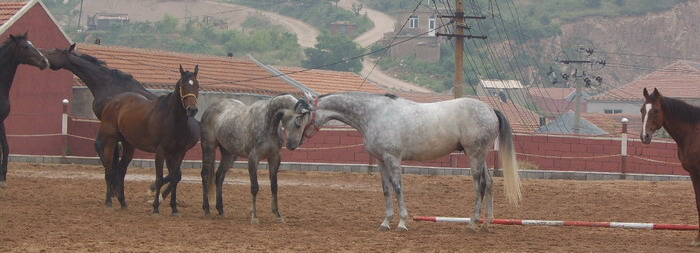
x=104, y=83
x=15, y=51
x=682, y=122
x=161, y=126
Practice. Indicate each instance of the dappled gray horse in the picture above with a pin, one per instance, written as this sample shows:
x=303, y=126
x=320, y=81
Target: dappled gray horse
x=397, y=129
x=256, y=132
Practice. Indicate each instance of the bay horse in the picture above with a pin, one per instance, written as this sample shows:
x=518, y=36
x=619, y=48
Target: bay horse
x=255, y=132
x=161, y=126
x=13, y=52
x=103, y=82
x=682, y=121
x=396, y=129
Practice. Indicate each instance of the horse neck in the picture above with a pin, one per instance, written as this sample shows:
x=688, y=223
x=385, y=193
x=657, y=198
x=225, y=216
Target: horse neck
x=9, y=63
x=100, y=80
x=677, y=128
x=276, y=108
x=173, y=104
x=347, y=108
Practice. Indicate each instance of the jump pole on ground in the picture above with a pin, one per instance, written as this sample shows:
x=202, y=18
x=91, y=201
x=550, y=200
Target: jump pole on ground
x=631, y=225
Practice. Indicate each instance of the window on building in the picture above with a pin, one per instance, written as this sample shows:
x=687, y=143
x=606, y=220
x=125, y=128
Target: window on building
x=612, y=111
x=431, y=26
x=413, y=22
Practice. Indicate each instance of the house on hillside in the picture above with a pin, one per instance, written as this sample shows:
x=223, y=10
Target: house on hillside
x=425, y=47
x=36, y=95
x=505, y=90
x=679, y=80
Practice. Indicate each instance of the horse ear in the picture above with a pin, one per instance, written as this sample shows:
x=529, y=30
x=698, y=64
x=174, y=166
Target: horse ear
x=656, y=93
x=196, y=69
x=308, y=96
x=25, y=34
x=12, y=37
x=182, y=71
x=71, y=48
x=646, y=93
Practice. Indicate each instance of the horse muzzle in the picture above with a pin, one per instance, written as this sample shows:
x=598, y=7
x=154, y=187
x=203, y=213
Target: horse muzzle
x=646, y=138
x=192, y=111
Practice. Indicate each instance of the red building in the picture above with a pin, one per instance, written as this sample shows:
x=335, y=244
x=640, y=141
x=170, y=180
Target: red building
x=36, y=95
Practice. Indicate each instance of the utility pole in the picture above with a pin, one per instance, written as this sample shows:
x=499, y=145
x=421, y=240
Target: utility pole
x=458, y=19
x=579, y=88
x=459, y=49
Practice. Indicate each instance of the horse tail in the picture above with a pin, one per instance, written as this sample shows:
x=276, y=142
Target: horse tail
x=506, y=153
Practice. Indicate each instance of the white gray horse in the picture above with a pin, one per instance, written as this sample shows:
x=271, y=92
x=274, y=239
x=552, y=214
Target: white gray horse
x=256, y=132
x=397, y=129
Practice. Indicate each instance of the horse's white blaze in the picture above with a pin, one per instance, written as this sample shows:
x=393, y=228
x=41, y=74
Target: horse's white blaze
x=30, y=43
x=647, y=108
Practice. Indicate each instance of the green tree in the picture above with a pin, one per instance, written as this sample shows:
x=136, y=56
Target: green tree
x=334, y=53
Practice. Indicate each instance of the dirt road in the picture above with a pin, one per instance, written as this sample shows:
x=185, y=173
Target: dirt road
x=382, y=24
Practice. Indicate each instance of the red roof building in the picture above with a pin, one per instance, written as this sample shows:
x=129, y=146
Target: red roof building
x=36, y=96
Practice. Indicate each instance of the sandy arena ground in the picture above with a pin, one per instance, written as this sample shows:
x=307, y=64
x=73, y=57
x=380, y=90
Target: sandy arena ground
x=58, y=208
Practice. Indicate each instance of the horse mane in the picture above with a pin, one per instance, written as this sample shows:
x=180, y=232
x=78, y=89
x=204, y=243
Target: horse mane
x=686, y=112
x=9, y=40
x=117, y=73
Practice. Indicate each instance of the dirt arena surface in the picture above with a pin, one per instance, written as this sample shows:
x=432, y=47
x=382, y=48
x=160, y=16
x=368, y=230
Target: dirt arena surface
x=59, y=208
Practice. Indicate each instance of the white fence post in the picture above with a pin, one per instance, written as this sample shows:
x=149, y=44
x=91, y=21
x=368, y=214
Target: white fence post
x=64, y=126
x=623, y=151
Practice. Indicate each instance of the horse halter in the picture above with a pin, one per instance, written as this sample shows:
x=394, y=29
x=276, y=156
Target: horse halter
x=312, y=121
x=182, y=97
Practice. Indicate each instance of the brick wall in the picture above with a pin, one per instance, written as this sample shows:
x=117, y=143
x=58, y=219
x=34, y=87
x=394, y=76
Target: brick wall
x=547, y=152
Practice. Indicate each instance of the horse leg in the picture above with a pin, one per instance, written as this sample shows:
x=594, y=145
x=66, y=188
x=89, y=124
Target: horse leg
x=5, y=155
x=109, y=163
x=127, y=155
x=226, y=163
x=393, y=167
x=274, y=163
x=386, y=187
x=254, y=187
x=487, y=189
x=208, y=159
x=695, y=177
x=477, y=171
x=175, y=173
x=159, y=182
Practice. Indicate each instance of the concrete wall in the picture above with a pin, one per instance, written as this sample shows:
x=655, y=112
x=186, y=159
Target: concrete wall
x=627, y=107
x=82, y=100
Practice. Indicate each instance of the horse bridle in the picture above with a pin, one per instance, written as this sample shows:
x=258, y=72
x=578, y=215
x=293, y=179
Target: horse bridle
x=182, y=97
x=312, y=121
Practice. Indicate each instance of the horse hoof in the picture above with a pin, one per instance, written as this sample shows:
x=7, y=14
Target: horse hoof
x=280, y=220
x=384, y=228
x=176, y=214
x=221, y=216
x=695, y=243
x=254, y=221
x=484, y=229
x=402, y=228
x=471, y=230
x=3, y=184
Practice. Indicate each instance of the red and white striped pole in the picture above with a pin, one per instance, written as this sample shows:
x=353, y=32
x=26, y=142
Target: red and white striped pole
x=566, y=223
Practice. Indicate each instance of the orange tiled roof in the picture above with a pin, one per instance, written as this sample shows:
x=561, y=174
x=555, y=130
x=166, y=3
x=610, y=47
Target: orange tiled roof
x=678, y=80
x=9, y=9
x=328, y=81
x=521, y=119
x=159, y=69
